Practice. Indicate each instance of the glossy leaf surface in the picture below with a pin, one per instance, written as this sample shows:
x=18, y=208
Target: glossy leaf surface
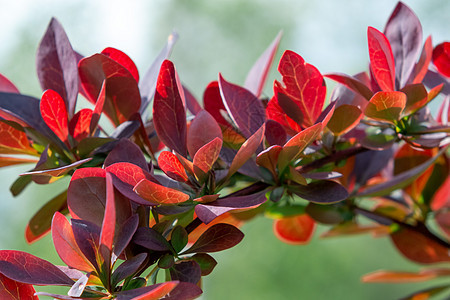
x=381, y=59
x=54, y=112
x=13, y=290
x=158, y=194
x=14, y=140
x=386, y=106
x=123, y=59
x=171, y=165
x=205, y=158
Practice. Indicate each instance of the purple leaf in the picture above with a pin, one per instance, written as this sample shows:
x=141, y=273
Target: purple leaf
x=184, y=291
x=257, y=76
x=26, y=268
x=404, y=33
x=323, y=191
x=127, y=268
x=126, y=151
x=169, y=115
x=125, y=233
x=152, y=292
x=86, y=236
x=202, y=130
x=245, y=109
x=191, y=102
x=370, y=163
x=147, y=85
x=151, y=239
x=217, y=238
x=208, y=212
x=57, y=66
x=275, y=133
x=186, y=271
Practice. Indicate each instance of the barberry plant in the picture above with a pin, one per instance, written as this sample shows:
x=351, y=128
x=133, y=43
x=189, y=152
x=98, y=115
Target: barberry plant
x=174, y=179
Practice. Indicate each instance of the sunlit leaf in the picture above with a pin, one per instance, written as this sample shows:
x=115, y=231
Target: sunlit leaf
x=441, y=58
x=171, y=165
x=123, y=59
x=13, y=290
x=152, y=292
x=158, y=194
x=344, y=119
x=381, y=59
x=169, y=115
x=352, y=83
x=416, y=98
x=205, y=158
x=79, y=125
x=386, y=106
x=14, y=140
x=54, y=112
x=421, y=67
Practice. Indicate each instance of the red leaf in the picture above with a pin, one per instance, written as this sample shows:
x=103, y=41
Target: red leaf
x=269, y=158
x=441, y=58
x=66, y=245
x=257, y=76
x=212, y=101
x=404, y=32
x=122, y=93
x=418, y=248
x=304, y=84
x=54, y=112
x=421, y=67
x=169, y=115
x=10, y=161
x=123, y=59
x=294, y=147
x=126, y=151
x=246, y=151
x=416, y=98
x=57, y=65
x=217, y=238
x=386, y=106
x=6, y=86
x=296, y=230
x=275, y=134
x=99, y=104
x=79, y=126
x=352, y=83
x=13, y=290
x=14, y=140
x=344, y=119
x=169, y=163
x=109, y=223
x=244, y=108
x=202, y=130
x=381, y=59
x=441, y=198
x=205, y=158
x=152, y=292
x=191, y=102
x=26, y=268
x=158, y=194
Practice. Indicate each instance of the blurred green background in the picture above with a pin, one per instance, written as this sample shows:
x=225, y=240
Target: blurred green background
x=224, y=36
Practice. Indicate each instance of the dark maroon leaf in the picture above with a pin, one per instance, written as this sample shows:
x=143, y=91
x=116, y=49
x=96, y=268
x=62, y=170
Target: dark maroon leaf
x=169, y=115
x=57, y=65
x=202, y=130
x=245, y=109
x=186, y=271
x=257, y=76
x=26, y=268
x=275, y=134
x=207, y=262
x=404, y=32
x=125, y=233
x=323, y=191
x=147, y=85
x=151, y=239
x=126, y=151
x=217, y=238
x=87, y=237
x=127, y=268
x=184, y=291
x=370, y=163
x=352, y=83
x=191, y=102
x=289, y=107
x=208, y=212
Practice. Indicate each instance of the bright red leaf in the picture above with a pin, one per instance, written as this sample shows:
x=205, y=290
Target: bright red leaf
x=153, y=292
x=14, y=140
x=212, y=101
x=13, y=290
x=441, y=58
x=79, y=126
x=158, y=194
x=421, y=67
x=381, y=59
x=169, y=114
x=123, y=59
x=98, y=108
x=304, y=84
x=109, y=223
x=296, y=230
x=171, y=165
x=54, y=112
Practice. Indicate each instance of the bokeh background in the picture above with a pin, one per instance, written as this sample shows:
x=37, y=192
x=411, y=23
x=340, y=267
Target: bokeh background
x=224, y=36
